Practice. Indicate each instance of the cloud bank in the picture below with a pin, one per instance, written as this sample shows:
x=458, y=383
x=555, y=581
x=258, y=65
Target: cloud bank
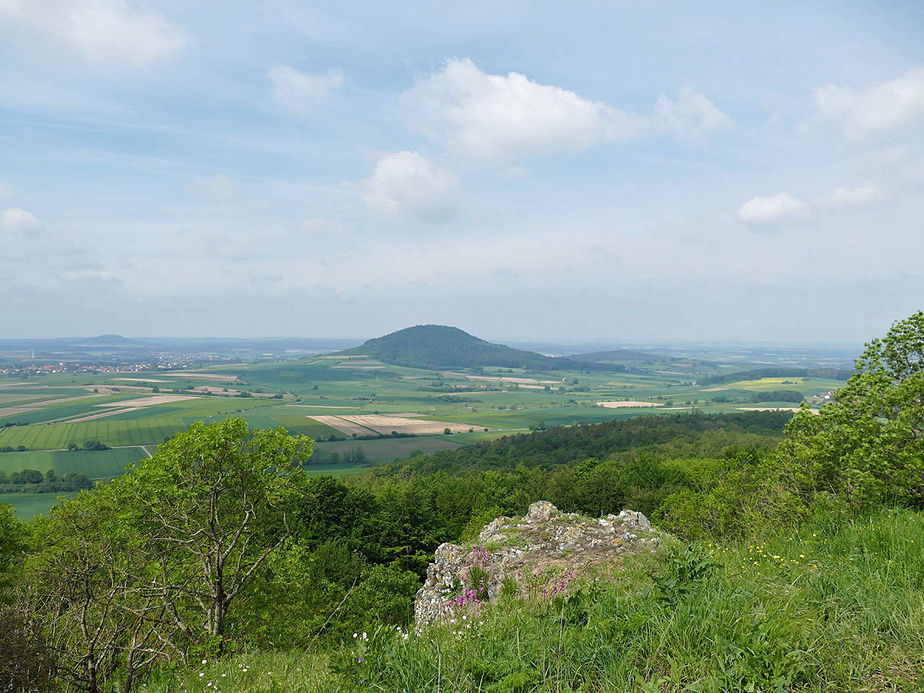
x=508, y=117
x=104, y=33
x=879, y=110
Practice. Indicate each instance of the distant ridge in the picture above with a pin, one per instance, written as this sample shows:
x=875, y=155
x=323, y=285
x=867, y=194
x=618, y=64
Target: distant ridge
x=619, y=356
x=107, y=339
x=441, y=346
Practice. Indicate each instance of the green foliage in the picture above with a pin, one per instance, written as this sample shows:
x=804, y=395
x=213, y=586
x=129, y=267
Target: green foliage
x=867, y=446
x=672, y=436
x=12, y=543
x=683, y=569
x=26, y=664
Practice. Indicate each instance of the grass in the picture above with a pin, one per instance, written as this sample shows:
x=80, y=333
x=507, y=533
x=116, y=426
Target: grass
x=835, y=605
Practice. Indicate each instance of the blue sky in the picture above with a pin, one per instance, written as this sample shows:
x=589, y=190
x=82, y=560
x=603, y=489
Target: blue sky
x=594, y=171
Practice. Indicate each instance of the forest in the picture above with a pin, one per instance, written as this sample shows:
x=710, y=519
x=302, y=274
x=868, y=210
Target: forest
x=219, y=564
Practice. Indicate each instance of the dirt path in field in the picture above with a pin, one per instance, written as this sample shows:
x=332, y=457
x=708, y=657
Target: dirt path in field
x=204, y=376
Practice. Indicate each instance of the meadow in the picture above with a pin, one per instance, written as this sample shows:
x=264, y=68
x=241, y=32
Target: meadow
x=834, y=604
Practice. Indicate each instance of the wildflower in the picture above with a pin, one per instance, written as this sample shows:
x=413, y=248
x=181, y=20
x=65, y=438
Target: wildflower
x=201, y=674
x=204, y=661
x=355, y=635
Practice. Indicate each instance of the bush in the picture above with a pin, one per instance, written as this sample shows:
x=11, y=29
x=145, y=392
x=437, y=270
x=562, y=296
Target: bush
x=26, y=664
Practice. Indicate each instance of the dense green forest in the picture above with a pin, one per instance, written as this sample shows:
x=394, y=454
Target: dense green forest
x=219, y=564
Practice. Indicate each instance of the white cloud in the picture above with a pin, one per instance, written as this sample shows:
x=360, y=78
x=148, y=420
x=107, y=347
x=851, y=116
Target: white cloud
x=407, y=184
x=16, y=220
x=106, y=33
x=505, y=117
x=301, y=92
x=772, y=209
x=218, y=188
x=501, y=117
x=854, y=197
x=689, y=116
x=881, y=109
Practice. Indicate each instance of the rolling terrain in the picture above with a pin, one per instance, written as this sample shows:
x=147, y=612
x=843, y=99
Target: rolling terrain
x=365, y=406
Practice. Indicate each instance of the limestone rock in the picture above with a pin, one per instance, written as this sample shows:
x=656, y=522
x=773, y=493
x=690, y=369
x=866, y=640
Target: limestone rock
x=539, y=554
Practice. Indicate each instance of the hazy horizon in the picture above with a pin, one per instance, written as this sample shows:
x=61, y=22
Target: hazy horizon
x=621, y=173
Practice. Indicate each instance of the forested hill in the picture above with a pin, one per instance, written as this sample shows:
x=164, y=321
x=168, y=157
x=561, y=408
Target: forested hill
x=439, y=346
x=678, y=435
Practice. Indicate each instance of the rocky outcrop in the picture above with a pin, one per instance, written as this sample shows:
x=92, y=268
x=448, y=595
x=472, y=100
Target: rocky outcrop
x=539, y=554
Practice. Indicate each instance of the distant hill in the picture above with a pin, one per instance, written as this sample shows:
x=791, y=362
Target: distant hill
x=439, y=346
x=104, y=339
x=618, y=356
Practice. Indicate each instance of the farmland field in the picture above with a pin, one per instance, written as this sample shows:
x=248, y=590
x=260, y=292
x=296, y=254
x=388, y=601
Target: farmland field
x=350, y=406
x=95, y=464
x=28, y=505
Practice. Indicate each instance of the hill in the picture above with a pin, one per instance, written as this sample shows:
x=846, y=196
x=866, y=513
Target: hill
x=440, y=346
x=618, y=356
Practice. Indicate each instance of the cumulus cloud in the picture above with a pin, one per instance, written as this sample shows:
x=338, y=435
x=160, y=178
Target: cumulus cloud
x=218, y=188
x=854, y=197
x=408, y=184
x=505, y=117
x=885, y=108
x=508, y=116
x=16, y=220
x=107, y=33
x=300, y=92
x=690, y=116
x=772, y=209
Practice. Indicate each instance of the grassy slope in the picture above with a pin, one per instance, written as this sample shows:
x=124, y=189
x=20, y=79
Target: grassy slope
x=834, y=606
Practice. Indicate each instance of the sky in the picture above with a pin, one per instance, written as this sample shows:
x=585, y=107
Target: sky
x=594, y=171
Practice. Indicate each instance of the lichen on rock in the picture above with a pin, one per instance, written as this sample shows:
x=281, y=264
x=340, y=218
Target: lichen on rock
x=540, y=553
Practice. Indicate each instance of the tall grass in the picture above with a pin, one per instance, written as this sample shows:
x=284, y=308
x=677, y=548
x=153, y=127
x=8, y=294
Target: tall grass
x=836, y=606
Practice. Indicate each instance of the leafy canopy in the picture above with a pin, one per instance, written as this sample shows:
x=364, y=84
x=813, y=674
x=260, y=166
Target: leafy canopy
x=867, y=445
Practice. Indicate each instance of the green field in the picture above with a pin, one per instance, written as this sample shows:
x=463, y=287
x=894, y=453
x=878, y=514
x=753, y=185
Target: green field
x=95, y=464
x=43, y=414
x=28, y=505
